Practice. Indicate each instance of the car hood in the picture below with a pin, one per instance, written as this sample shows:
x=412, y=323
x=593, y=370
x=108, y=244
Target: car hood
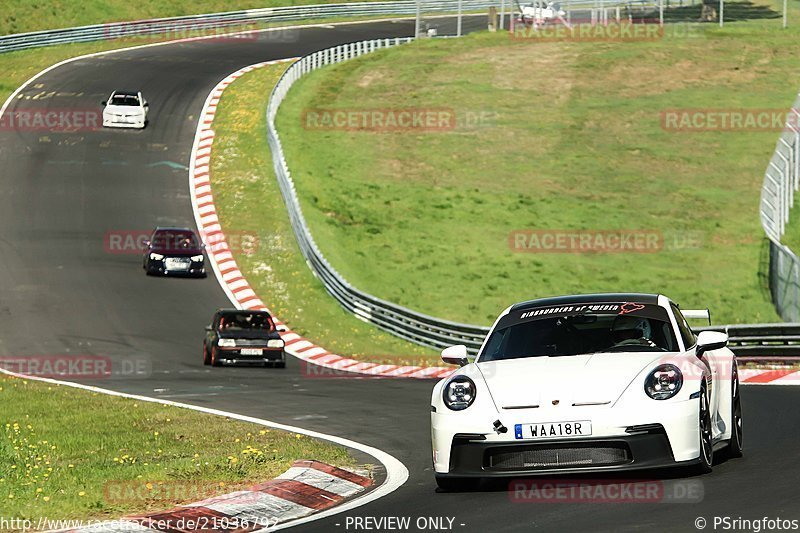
x=175, y=252
x=598, y=379
x=124, y=110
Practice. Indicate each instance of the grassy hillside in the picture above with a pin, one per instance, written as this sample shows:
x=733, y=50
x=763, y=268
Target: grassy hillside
x=20, y=16
x=551, y=137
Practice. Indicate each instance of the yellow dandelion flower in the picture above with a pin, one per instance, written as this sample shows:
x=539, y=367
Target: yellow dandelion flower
x=81, y=493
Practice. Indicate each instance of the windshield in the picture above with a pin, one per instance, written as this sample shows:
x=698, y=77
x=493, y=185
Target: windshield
x=580, y=329
x=246, y=321
x=124, y=99
x=175, y=240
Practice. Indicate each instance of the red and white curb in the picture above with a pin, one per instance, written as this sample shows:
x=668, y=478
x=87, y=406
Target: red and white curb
x=306, y=488
x=396, y=472
x=242, y=295
x=776, y=376
x=233, y=282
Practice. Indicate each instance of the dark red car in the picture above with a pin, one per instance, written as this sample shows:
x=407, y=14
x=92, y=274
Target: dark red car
x=174, y=251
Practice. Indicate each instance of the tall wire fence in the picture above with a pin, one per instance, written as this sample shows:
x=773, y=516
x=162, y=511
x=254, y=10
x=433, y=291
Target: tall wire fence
x=781, y=182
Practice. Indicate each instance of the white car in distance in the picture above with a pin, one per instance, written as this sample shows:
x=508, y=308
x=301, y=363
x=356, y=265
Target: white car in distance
x=125, y=109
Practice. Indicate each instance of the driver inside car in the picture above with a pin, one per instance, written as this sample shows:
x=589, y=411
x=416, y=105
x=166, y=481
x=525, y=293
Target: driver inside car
x=632, y=330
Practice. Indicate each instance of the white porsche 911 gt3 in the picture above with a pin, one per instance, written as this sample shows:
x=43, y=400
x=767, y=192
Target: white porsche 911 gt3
x=586, y=383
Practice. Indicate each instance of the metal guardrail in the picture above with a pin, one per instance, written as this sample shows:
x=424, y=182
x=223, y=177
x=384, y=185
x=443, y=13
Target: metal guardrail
x=763, y=341
x=178, y=27
x=400, y=321
x=219, y=23
x=777, y=194
x=781, y=180
x=774, y=342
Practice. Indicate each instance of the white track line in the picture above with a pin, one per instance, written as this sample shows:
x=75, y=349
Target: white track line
x=396, y=472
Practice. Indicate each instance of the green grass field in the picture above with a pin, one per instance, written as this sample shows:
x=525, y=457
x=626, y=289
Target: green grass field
x=248, y=202
x=68, y=453
x=21, y=16
x=551, y=137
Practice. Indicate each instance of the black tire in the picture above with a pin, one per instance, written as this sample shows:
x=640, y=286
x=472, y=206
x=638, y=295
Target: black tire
x=279, y=364
x=206, y=357
x=214, y=360
x=457, y=484
x=735, y=448
x=706, y=438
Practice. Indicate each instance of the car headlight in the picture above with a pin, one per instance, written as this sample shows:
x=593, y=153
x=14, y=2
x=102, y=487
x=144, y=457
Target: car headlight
x=197, y=258
x=664, y=382
x=459, y=393
x=275, y=343
x=226, y=343
x=156, y=257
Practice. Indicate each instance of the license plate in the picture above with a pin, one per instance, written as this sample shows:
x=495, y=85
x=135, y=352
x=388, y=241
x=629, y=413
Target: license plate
x=252, y=351
x=553, y=430
x=173, y=263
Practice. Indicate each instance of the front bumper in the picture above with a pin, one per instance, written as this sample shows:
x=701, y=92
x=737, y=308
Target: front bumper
x=128, y=122
x=195, y=268
x=646, y=450
x=650, y=435
x=269, y=356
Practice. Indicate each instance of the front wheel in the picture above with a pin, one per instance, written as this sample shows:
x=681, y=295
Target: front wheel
x=457, y=484
x=706, y=442
x=215, y=356
x=735, y=447
x=206, y=358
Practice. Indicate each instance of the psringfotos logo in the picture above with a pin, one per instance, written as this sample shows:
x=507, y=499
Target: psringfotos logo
x=182, y=29
x=743, y=120
x=613, y=491
x=55, y=120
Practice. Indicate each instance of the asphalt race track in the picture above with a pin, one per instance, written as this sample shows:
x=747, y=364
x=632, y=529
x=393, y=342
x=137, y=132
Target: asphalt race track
x=61, y=193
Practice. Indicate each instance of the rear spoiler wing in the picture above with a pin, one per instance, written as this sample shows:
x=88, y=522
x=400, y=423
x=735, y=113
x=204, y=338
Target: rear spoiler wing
x=700, y=314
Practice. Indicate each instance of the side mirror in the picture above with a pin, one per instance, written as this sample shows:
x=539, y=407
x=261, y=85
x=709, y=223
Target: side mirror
x=455, y=355
x=710, y=340
x=146, y=243
x=209, y=328
x=282, y=328
x=103, y=102
x=146, y=104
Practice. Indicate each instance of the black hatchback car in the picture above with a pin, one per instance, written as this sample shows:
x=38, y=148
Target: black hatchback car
x=172, y=251
x=241, y=336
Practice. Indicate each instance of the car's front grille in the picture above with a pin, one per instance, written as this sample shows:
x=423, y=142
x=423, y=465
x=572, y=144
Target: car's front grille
x=251, y=342
x=557, y=456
